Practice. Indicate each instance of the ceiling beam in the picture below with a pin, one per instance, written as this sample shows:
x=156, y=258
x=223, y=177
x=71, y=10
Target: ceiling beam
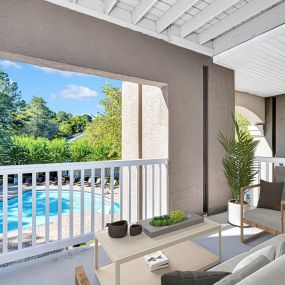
x=174, y=13
x=206, y=15
x=109, y=5
x=259, y=28
x=141, y=9
x=175, y=40
x=194, y=46
x=241, y=15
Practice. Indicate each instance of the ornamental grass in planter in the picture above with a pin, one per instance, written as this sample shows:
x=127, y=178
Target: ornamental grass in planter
x=239, y=167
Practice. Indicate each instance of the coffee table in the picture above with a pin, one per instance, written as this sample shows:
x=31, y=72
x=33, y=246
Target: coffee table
x=129, y=268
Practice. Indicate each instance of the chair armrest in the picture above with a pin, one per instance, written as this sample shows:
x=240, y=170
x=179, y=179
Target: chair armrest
x=80, y=276
x=282, y=202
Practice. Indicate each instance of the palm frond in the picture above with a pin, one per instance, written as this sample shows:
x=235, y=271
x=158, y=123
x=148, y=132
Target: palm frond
x=239, y=166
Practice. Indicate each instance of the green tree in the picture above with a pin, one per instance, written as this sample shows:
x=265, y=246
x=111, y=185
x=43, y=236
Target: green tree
x=65, y=130
x=78, y=123
x=29, y=150
x=63, y=117
x=58, y=151
x=106, y=128
x=80, y=150
x=74, y=125
x=242, y=122
x=10, y=103
x=39, y=120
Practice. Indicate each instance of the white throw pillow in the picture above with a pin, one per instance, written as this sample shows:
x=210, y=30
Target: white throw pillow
x=268, y=252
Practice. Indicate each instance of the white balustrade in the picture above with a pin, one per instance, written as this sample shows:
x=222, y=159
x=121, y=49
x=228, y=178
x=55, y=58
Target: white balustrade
x=75, y=202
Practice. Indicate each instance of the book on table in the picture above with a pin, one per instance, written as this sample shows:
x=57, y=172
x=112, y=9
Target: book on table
x=156, y=260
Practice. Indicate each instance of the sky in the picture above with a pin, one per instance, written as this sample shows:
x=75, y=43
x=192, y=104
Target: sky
x=75, y=93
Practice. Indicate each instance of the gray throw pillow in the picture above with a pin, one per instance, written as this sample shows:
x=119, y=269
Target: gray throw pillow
x=192, y=277
x=270, y=195
x=242, y=273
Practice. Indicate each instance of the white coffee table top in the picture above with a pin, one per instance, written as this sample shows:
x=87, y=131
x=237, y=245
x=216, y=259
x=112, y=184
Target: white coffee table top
x=127, y=248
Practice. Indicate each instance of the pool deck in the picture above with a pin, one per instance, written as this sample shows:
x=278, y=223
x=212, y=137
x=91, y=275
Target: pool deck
x=53, y=227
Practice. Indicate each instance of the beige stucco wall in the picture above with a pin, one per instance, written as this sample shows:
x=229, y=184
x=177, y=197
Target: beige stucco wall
x=251, y=106
x=38, y=29
x=220, y=90
x=280, y=126
x=154, y=141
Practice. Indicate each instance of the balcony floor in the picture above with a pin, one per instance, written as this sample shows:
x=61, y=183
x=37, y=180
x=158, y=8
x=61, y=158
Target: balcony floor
x=58, y=269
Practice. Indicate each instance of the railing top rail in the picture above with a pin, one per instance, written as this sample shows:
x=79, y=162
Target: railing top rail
x=29, y=168
x=270, y=159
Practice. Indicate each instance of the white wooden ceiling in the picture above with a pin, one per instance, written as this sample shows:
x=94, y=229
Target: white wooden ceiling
x=210, y=27
x=259, y=64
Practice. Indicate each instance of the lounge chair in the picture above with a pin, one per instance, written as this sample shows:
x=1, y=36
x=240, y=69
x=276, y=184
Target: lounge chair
x=267, y=220
x=28, y=181
x=98, y=182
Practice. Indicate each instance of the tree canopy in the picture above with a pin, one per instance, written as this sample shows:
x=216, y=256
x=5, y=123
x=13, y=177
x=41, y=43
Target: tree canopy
x=30, y=132
x=10, y=103
x=39, y=120
x=106, y=128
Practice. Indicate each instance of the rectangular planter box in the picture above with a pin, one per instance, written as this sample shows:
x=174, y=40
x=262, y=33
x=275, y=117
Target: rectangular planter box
x=151, y=231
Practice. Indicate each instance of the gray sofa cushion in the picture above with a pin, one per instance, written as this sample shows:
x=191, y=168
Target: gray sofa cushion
x=242, y=273
x=271, y=274
x=273, y=241
x=269, y=252
x=230, y=264
x=280, y=249
x=266, y=217
x=192, y=277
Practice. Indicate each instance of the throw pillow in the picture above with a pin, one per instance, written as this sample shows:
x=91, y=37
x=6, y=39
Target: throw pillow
x=268, y=252
x=244, y=272
x=270, y=195
x=192, y=277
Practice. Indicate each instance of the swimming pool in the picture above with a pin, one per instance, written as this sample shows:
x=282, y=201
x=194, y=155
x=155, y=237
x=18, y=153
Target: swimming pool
x=53, y=209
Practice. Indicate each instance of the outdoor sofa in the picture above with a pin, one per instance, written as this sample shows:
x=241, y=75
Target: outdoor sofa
x=272, y=273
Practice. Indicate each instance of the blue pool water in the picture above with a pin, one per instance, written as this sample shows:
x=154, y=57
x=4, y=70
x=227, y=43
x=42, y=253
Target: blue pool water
x=53, y=211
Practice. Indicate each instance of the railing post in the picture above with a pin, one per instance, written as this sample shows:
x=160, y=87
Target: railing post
x=112, y=193
x=71, y=179
x=59, y=183
x=92, y=200
x=34, y=209
x=5, y=213
x=20, y=211
x=47, y=178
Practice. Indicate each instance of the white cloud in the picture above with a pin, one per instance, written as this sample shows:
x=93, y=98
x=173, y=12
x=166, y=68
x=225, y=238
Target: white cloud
x=76, y=92
x=64, y=73
x=10, y=64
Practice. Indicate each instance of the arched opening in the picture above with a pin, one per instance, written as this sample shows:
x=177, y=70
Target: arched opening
x=256, y=129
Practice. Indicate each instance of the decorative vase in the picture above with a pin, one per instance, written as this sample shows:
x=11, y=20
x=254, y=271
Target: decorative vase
x=234, y=212
x=135, y=230
x=118, y=229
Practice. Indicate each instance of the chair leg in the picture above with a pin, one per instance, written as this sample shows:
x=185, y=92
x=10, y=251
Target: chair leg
x=282, y=219
x=241, y=230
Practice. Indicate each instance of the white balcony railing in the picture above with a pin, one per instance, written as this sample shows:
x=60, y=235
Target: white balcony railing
x=50, y=207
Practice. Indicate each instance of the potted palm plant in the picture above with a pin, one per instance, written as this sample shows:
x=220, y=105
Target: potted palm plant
x=239, y=167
